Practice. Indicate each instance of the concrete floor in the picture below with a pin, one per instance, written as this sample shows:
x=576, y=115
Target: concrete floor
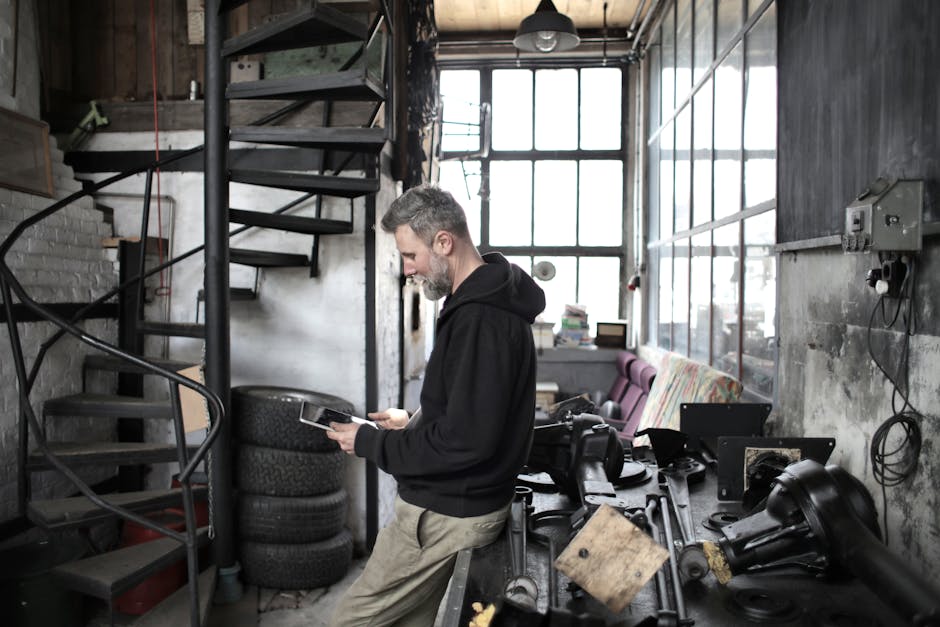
x=264, y=607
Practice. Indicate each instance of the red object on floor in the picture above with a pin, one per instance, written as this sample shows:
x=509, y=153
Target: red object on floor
x=158, y=586
x=201, y=507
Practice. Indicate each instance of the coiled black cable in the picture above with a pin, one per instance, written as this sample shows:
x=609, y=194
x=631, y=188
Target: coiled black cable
x=895, y=466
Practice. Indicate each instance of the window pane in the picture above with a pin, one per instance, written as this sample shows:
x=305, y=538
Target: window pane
x=561, y=290
x=725, y=280
x=600, y=203
x=669, y=63
x=683, y=167
x=460, y=98
x=702, y=151
x=462, y=179
x=666, y=182
x=760, y=295
x=680, y=297
x=704, y=37
x=730, y=20
x=664, y=332
x=597, y=279
x=654, y=58
x=652, y=304
x=510, y=203
x=728, y=135
x=556, y=184
x=652, y=185
x=760, y=109
x=600, y=108
x=700, y=292
x=556, y=109
x=683, y=49
x=512, y=110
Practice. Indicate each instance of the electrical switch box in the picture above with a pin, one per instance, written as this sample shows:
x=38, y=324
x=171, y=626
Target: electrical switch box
x=886, y=216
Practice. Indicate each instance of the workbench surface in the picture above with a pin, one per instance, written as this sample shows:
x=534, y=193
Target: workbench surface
x=783, y=597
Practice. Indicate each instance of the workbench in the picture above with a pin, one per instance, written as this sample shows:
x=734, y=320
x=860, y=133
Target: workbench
x=782, y=597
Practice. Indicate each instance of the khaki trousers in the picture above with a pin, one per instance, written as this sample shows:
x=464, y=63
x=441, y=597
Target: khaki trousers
x=406, y=576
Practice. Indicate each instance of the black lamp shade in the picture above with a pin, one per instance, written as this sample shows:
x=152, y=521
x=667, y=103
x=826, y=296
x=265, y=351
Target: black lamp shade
x=546, y=30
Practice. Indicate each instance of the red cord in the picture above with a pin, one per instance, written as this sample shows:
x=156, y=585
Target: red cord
x=156, y=148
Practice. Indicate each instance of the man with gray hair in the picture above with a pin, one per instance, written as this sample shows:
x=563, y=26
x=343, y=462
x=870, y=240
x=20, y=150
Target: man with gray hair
x=457, y=458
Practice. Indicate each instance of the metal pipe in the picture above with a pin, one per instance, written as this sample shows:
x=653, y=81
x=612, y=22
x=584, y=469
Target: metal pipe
x=372, y=386
x=654, y=8
x=673, y=560
x=218, y=374
x=636, y=17
x=189, y=509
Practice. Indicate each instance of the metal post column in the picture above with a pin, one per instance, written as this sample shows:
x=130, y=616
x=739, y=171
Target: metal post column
x=218, y=373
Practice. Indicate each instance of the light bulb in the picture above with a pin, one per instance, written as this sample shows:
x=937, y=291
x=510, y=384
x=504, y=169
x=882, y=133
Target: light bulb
x=546, y=40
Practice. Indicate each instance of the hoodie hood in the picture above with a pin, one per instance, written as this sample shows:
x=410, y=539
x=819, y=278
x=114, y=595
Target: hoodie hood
x=501, y=284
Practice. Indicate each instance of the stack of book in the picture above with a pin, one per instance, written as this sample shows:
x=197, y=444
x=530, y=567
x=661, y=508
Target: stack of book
x=574, y=327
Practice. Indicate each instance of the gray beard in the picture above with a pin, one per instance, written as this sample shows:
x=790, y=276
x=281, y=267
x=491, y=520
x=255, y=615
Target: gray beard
x=437, y=284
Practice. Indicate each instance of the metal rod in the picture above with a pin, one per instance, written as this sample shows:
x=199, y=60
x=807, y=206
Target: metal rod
x=661, y=590
x=144, y=228
x=673, y=560
x=218, y=375
x=189, y=513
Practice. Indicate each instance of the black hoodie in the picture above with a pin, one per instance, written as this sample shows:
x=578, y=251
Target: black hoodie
x=477, y=402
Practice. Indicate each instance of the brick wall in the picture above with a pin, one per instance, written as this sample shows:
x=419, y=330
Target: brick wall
x=57, y=260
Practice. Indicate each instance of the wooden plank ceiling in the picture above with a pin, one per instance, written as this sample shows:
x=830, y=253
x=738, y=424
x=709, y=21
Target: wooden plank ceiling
x=455, y=16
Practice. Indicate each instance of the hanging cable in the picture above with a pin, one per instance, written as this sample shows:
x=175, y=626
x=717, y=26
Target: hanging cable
x=164, y=289
x=893, y=467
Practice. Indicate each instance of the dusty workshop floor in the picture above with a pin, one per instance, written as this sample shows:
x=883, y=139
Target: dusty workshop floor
x=265, y=607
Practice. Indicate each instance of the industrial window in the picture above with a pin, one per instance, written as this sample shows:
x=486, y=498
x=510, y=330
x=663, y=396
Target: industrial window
x=711, y=186
x=536, y=157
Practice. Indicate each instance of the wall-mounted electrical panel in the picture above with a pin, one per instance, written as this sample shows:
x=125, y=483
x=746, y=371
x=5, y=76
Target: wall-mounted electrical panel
x=887, y=216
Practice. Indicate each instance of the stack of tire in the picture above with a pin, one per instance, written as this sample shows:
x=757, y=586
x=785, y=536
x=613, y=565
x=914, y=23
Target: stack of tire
x=291, y=505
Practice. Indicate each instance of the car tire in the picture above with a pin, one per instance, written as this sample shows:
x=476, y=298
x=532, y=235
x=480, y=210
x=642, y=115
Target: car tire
x=296, y=566
x=269, y=416
x=276, y=472
x=290, y=520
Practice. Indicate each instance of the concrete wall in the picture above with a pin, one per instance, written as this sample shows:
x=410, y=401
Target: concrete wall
x=829, y=386
x=858, y=99
x=57, y=260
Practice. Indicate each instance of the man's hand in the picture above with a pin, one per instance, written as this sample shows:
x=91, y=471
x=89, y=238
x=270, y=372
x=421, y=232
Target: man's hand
x=344, y=435
x=391, y=418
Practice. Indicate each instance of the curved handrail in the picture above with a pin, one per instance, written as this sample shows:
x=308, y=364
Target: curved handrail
x=10, y=285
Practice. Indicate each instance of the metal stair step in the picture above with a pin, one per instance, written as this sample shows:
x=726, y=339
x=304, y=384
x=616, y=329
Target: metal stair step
x=348, y=85
x=79, y=511
x=115, y=364
x=344, y=186
x=350, y=139
x=174, y=610
x=294, y=224
x=234, y=293
x=265, y=259
x=311, y=24
x=107, y=575
x=106, y=453
x=106, y=406
x=175, y=329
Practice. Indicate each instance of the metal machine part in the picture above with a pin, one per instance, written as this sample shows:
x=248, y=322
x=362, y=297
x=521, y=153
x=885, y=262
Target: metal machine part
x=581, y=454
x=692, y=561
x=824, y=518
x=520, y=587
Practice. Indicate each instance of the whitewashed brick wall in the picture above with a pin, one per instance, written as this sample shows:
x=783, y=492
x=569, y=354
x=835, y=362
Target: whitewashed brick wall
x=57, y=260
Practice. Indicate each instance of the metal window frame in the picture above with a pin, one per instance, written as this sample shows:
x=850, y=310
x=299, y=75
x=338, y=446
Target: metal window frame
x=666, y=241
x=486, y=156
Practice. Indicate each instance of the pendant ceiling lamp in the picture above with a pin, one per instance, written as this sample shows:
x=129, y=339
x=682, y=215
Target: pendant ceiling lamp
x=546, y=30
